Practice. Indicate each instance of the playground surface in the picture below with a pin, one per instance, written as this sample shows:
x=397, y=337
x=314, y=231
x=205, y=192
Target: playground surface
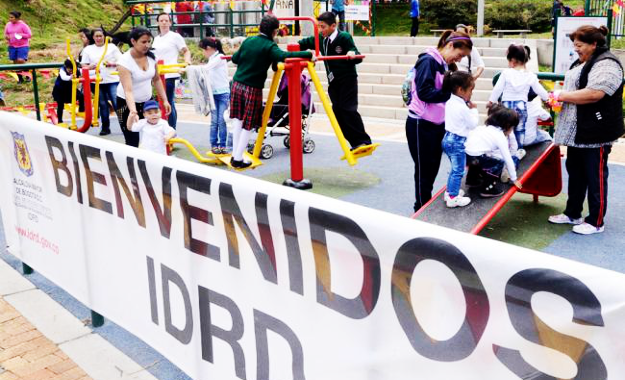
x=382, y=181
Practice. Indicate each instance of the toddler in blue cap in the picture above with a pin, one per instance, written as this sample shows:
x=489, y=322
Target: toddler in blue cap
x=155, y=132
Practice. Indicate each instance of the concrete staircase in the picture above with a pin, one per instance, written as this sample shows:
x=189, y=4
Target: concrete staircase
x=387, y=61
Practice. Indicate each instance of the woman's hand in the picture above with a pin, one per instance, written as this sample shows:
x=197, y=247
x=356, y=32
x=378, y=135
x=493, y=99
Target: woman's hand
x=167, y=107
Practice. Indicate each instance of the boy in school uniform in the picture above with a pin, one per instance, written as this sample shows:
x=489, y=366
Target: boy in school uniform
x=342, y=77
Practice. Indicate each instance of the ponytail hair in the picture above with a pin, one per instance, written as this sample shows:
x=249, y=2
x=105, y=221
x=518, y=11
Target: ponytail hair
x=590, y=34
x=460, y=40
x=212, y=42
x=455, y=80
x=518, y=52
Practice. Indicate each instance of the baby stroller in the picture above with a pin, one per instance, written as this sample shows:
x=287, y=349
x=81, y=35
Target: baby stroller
x=278, y=124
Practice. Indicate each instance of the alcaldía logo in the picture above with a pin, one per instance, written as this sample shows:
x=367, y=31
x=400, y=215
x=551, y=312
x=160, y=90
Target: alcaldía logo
x=21, y=154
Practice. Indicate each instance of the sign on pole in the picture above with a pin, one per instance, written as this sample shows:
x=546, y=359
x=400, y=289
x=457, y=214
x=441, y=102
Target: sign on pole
x=564, y=51
x=357, y=11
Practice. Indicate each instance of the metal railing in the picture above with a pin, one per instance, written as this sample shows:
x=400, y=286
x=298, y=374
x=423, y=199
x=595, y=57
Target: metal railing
x=32, y=67
x=145, y=17
x=605, y=8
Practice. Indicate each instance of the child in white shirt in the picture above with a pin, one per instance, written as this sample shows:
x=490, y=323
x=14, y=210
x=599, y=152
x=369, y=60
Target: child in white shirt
x=483, y=143
x=513, y=86
x=461, y=117
x=535, y=112
x=155, y=132
x=220, y=86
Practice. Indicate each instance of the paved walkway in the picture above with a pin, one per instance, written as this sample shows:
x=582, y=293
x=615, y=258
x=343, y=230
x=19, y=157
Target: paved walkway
x=26, y=354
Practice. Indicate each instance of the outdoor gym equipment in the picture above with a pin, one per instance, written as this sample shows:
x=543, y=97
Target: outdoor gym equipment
x=293, y=67
x=86, y=86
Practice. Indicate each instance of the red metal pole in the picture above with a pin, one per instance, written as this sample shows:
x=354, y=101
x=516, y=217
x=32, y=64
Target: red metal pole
x=160, y=101
x=293, y=70
x=86, y=89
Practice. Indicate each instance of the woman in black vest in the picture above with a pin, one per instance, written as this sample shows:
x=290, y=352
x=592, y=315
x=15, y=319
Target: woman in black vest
x=590, y=122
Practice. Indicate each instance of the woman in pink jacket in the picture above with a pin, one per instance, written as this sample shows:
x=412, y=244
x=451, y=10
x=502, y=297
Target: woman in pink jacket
x=17, y=35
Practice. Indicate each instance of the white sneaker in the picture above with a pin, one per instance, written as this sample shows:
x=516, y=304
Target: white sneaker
x=520, y=153
x=563, y=219
x=587, y=229
x=460, y=194
x=458, y=201
x=505, y=176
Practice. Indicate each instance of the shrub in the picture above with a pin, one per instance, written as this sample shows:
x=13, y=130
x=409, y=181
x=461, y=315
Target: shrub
x=446, y=14
x=519, y=14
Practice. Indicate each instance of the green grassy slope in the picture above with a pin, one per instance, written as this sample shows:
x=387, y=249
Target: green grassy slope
x=53, y=20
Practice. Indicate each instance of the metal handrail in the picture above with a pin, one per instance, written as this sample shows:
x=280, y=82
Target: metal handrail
x=33, y=67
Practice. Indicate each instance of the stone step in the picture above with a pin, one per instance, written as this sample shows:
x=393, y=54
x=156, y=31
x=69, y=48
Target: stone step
x=422, y=41
x=382, y=112
x=388, y=83
x=415, y=50
x=385, y=73
x=374, y=92
x=406, y=59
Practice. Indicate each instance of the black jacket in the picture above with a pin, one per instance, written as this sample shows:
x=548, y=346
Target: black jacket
x=602, y=121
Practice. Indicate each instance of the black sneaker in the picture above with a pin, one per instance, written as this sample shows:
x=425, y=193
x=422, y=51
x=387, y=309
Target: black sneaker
x=105, y=132
x=491, y=190
x=239, y=164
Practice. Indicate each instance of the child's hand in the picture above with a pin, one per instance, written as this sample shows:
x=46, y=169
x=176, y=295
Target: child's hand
x=518, y=184
x=351, y=54
x=489, y=104
x=132, y=118
x=470, y=104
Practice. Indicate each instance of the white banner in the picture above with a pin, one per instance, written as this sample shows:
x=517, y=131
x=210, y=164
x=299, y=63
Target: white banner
x=565, y=53
x=284, y=8
x=359, y=11
x=232, y=277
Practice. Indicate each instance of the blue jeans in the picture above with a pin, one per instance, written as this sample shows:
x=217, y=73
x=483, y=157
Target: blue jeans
x=170, y=91
x=219, y=131
x=521, y=109
x=491, y=165
x=108, y=92
x=453, y=146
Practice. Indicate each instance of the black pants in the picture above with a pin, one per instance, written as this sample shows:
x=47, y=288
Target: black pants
x=588, y=173
x=132, y=138
x=170, y=91
x=414, y=30
x=344, y=96
x=60, y=105
x=424, y=141
x=341, y=16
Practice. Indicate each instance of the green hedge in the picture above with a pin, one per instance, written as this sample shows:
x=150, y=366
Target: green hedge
x=441, y=14
x=519, y=14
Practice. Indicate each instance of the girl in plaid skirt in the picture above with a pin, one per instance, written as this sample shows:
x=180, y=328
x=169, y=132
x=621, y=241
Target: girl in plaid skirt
x=253, y=59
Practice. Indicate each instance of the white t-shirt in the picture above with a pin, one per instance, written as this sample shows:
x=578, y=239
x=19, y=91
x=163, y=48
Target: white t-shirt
x=153, y=135
x=487, y=139
x=141, y=79
x=514, y=84
x=167, y=48
x=92, y=55
x=459, y=118
x=476, y=61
